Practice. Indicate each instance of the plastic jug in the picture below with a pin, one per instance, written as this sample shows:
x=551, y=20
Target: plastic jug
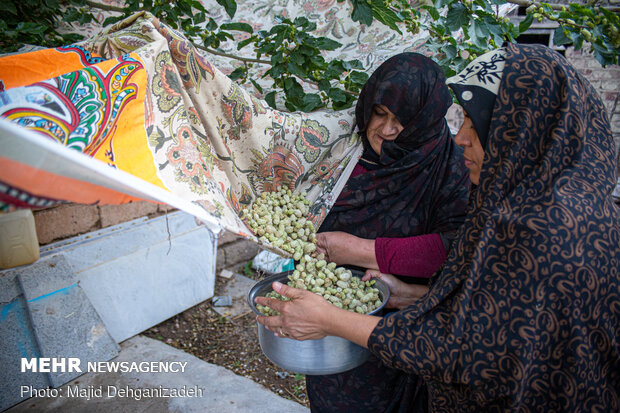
x=19, y=244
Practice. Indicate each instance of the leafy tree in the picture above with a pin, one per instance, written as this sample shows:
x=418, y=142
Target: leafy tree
x=458, y=31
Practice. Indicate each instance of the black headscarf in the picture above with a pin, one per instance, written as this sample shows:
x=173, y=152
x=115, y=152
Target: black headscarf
x=419, y=184
x=525, y=315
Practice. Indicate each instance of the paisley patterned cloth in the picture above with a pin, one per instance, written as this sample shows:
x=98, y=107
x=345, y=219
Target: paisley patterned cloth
x=525, y=316
x=419, y=185
x=141, y=98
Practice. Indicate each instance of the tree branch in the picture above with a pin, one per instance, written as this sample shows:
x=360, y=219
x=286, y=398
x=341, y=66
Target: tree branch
x=554, y=6
x=243, y=59
x=105, y=7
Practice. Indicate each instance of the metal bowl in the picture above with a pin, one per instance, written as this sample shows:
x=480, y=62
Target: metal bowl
x=328, y=355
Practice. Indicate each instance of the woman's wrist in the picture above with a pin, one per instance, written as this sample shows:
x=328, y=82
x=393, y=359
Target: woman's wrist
x=364, y=253
x=349, y=325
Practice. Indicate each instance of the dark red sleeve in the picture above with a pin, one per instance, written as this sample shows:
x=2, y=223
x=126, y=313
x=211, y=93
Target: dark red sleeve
x=357, y=170
x=418, y=256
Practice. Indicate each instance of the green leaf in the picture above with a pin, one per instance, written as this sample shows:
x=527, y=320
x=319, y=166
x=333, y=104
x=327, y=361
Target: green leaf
x=245, y=42
x=296, y=70
x=324, y=85
x=276, y=70
x=577, y=39
x=242, y=27
x=291, y=106
x=301, y=21
x=238, y=73
x=337, y=95
x=352, y=64
x=526, y=23
x=198, y=6
x=33, y=28
x=297, y=58
x=199, y=18
x=610, y=16
x=256, y=85
x=450, y=52
x=477, y=34
x=292, y=88
x=310, y=102
x=270, y=98
x=112, y=20
x=229, y=5
x=386, y=16
x=559, y=38
x=457, y=16
x=8, y=6
x=278, y=29
x=432, y=11
x=358, y=77
x=211, y=25
x=362, y=12
x=325, y=43
x=224, y=35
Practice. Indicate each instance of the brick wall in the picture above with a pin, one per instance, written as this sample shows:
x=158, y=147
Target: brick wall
x=68, y=220
x=607, y=83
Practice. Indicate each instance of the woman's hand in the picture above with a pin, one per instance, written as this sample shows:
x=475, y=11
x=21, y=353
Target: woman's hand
x=401, y=294
x=301, y=318
x=309, y=316
x=343, y=248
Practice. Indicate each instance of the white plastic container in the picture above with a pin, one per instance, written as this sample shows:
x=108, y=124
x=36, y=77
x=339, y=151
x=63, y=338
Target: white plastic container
x=19, y=244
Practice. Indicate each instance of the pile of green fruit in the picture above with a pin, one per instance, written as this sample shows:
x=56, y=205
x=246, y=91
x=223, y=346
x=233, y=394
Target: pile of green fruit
x=280, y=218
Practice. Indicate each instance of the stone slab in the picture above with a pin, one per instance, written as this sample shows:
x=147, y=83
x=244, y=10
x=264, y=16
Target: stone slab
x=9, y=286
x=221, y=389
x=141, y=272
x=48, y=274
x=140, y=289
x=64, y=322
x=17, y=341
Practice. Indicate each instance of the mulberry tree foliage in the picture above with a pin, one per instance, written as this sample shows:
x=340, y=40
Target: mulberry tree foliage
x=458, y=31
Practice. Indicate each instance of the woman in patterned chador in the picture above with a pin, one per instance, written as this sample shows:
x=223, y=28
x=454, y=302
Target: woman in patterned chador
x=525, y=314
x=403, y=203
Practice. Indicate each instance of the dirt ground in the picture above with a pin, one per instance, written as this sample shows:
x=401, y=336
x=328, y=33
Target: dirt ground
x=230, y=342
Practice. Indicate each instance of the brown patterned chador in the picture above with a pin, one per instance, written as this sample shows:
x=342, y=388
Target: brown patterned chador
x=525, y=314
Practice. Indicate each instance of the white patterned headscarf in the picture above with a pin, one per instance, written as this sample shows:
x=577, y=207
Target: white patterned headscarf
x=476, y=87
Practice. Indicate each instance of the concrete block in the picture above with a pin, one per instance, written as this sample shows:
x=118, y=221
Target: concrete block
x=165, y=208
x=220, y=259
x=227, y=237
x=116, y=214
x=65, y=221
x=236, y=252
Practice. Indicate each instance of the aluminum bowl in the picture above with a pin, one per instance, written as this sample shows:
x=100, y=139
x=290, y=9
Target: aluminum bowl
x=328, y=355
